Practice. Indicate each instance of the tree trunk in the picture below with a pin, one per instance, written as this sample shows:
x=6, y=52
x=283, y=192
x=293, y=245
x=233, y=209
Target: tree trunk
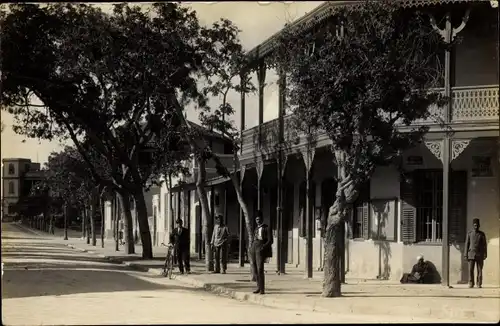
x=241, y=201
x=103, y=229
x=84, y=223
x=93, y=215
x=116, y=215
x=333, y=239
x=142, y=218
x=65, y=222
x=128, y=235
x=87, y=222
x=205, y=213
x=170, y=199
x=200, y=184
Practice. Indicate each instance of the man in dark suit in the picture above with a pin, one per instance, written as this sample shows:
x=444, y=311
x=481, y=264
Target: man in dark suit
x=261, y=249
x=180, y=239
x=475, y=252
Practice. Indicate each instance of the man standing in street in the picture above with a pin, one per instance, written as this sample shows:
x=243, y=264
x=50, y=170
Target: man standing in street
x=219, y=241
x=180, y=239
x=261, y=249
x=475, y=252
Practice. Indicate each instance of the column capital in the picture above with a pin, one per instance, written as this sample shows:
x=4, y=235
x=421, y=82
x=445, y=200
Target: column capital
x=458, y=146
x=436, y=148
x=308, y=156
x=259, y=166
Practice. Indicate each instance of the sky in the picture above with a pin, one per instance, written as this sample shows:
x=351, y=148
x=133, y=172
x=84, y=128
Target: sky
x=256, y=20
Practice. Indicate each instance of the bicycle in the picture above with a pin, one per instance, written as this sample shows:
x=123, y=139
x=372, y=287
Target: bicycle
x=168, y=266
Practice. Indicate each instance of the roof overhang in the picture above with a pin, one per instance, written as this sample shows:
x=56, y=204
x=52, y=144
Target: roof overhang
x=326, y=10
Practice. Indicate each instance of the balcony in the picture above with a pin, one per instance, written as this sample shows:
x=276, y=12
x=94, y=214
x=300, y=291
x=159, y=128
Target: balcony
x=470, y=104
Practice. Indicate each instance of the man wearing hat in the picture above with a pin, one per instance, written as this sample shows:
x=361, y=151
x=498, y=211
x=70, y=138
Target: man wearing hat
x=180, y=239
x=219, y=241
x=475, y=252
x=261, y=249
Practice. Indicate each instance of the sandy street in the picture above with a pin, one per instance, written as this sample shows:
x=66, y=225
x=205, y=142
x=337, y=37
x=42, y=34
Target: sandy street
x=47, y=283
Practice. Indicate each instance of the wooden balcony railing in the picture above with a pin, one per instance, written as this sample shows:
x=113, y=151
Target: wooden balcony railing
x=469, y=104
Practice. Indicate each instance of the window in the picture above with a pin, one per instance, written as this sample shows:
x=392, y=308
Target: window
x=422, y=204
x=12, y=169
x=361, y=214
x=429, y=204
x=11, y=187
x=11, y=209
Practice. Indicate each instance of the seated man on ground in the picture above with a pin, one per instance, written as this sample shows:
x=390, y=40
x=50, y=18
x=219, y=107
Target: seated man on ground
x=420, y=273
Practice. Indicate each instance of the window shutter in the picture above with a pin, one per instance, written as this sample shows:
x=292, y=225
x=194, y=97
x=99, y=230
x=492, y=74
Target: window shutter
x=458, y=206
x=366, y=220
x=408, y=209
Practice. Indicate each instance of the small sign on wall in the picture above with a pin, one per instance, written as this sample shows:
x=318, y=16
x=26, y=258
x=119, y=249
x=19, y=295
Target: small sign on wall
x=414, y=160
x=481, y=166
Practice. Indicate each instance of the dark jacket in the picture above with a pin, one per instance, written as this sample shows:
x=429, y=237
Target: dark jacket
x=475, y=245
x=267, y=245
x=180, y=239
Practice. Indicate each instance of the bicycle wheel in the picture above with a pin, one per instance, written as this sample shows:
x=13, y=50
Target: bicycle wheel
x=170, y=266
x=165, y=266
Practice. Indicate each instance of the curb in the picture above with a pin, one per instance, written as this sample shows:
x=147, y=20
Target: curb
x=444, y=312
x=30, y=230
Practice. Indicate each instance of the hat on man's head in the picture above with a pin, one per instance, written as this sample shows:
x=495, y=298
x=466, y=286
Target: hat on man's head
x=420, y=257
x=475, y=221
x=178, y=221
x=259, y=213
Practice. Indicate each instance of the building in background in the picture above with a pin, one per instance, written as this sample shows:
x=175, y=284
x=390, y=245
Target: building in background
x=19, y=175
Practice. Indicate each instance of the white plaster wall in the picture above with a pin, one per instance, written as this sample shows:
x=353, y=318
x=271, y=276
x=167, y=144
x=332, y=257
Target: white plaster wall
x=108, y=223
x=483, y=203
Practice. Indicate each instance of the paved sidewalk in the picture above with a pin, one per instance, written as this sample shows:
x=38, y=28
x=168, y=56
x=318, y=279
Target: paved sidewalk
x=292, y=291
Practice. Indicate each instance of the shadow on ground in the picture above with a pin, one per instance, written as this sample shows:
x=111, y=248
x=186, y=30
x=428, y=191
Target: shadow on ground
x=73, y=280
x=43, y=269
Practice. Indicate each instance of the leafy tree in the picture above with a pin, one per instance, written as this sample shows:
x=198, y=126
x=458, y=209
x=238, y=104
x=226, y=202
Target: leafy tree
x=231, y=75
x=100, y=76
x=357, y=76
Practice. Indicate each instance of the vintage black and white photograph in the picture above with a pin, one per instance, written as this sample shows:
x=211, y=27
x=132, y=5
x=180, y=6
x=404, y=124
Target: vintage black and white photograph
x=291, y=162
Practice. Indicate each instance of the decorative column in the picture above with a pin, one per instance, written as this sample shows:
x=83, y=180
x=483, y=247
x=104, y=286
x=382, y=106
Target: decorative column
x=261, y=76
x=260, y=169
x=280, y=261
x=308, y=156
x=241, y=254
x=448, y=33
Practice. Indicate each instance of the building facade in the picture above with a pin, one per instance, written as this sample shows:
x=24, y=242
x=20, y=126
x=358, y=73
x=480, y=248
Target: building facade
x=19, y=174
x=404, y=210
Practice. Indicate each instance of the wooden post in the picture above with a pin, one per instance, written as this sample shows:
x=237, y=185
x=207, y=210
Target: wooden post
x=280, y=173
x=449, y=33
x=308, y=156
x=260, y=170
x=261, y=76
x=241, y=253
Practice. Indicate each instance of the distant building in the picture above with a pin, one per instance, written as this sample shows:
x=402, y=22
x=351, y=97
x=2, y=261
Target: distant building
x=19, y=175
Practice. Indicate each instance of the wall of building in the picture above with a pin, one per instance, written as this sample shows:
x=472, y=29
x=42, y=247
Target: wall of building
x=370, y=259
x=476, y=53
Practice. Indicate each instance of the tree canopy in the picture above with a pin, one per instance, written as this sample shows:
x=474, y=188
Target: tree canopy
x=359, y=76
x=119, y=82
